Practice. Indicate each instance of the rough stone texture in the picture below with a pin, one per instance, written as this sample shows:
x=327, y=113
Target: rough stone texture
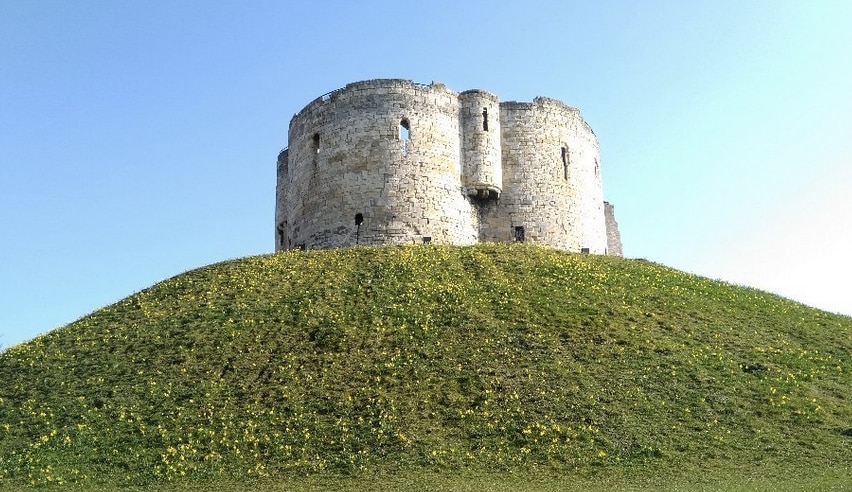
x=613, y=237
x=421, y=162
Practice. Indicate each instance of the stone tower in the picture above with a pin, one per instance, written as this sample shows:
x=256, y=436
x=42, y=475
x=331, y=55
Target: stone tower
x=394, y=162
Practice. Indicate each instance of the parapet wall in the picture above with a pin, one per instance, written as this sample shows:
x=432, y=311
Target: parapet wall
x=393, y=162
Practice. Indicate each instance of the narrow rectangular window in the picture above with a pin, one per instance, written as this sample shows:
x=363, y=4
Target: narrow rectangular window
x=519, y=234
x=404, y=134
x=565, y=163
x=485, y=119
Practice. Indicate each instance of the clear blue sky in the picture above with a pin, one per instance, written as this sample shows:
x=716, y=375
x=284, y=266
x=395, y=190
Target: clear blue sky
x=138, y=139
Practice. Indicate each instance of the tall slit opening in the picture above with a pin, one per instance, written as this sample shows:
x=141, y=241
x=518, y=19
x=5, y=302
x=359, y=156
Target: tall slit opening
x=404, y=134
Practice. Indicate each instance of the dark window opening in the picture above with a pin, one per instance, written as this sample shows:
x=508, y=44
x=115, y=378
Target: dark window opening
x=519, y=234
x=597, y=167
x=585, y=251
x=359, y=219
x=302, y=247
x=565, y=163
x=427, y=239
x=485, y=119
x=404, y=134
x=316, y=142
x=281, y=235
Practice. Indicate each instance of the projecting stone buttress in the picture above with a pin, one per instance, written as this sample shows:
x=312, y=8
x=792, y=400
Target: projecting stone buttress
x=395, y=162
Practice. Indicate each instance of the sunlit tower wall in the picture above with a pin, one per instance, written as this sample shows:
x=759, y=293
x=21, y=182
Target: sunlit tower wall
x=395, y=162
x=552, y=191
x=482, y=167
x=384, y=151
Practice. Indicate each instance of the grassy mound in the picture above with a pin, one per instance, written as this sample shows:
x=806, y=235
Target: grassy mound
x=381, y=360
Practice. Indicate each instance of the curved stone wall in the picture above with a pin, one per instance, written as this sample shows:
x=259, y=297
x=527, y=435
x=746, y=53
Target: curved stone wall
x=552, y=193
x=395, y=162
x=348, y=155
x=482, y=169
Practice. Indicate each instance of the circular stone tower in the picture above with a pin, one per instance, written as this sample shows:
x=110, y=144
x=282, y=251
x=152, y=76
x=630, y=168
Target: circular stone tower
x=482, y=169
x=395, y=162
x=376, y=162
x=552, y=192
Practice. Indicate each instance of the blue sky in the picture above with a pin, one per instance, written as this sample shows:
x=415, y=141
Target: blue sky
x=138, y=139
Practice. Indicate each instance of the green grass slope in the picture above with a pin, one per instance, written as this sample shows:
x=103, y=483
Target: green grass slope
x=482, y=359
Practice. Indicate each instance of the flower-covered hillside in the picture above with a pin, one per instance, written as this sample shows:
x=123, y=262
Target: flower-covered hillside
x=367, y=360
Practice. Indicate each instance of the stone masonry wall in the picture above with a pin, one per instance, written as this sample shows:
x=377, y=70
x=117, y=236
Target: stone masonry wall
x=482, y=168
x=420, y=163
x=550, y=187
x=613, y=236
x=347, y=156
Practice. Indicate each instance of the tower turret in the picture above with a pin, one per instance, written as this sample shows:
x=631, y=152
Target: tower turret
x=482, y=171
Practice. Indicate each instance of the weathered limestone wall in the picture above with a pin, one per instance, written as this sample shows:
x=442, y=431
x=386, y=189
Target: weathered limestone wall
x=613, y=236
x=347, y=155
x=420, y=162
x=281, y=229
x=551, y=188
x=482, y=169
